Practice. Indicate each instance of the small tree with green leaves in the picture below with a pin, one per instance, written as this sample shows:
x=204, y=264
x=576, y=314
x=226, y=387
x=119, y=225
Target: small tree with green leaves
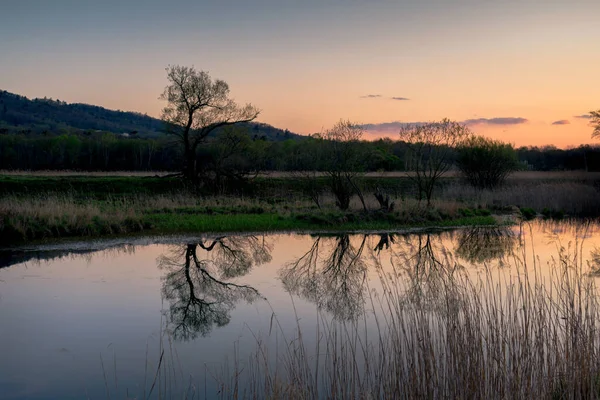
x=486, y=163
x=430, y=152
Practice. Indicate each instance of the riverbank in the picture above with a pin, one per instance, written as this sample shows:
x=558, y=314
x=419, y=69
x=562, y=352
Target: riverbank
x=54, y=218
x=34, y=208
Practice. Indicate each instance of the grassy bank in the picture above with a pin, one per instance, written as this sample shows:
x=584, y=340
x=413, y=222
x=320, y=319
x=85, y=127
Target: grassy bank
x=46, y=217
x=46, y=207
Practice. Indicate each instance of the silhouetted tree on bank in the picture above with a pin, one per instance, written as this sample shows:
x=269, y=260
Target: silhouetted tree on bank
x=344, y=163
x=430, y=152
x=196, y=106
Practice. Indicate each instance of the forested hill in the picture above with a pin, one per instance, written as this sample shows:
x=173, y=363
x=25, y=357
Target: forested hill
x=20, y=114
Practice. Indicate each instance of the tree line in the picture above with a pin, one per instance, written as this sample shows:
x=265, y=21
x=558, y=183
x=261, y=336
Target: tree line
x=106, y=151
x=210, y=138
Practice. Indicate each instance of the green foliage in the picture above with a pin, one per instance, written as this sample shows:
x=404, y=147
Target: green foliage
x=528, y=213
x=550, y=213
x=485, y=163
x=100, y=188
x=474, y=212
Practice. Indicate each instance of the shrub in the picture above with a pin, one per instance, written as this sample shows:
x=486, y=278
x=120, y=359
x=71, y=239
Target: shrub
x=485, y=163
x=528, y=213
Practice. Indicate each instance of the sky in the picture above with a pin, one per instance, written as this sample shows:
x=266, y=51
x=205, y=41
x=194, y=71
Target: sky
x=524, y=71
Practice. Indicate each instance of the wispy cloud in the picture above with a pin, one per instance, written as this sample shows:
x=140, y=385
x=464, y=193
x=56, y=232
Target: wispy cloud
x=584, y=116
x=496, y=121
x=561, y=122
x=395, y=126
x=378, y=96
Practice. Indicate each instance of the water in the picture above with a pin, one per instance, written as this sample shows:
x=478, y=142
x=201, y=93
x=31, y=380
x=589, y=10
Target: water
x=97, y=320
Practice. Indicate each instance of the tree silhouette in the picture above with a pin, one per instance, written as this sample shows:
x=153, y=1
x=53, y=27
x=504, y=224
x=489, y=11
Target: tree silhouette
x=595, y=121
x=199, y=289
x=430, y=151
x=196, y=106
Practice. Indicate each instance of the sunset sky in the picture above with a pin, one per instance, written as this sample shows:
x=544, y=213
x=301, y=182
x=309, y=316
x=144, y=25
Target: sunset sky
x=522, y=71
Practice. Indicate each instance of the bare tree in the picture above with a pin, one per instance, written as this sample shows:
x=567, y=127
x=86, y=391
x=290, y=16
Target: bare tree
x=196, y=106
x=595, y=121
x=430, y=150
x=344, y=162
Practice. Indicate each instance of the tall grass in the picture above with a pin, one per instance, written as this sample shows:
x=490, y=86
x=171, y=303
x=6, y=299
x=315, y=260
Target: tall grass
x=444, y=333
x=54, y=215
x=573, y=198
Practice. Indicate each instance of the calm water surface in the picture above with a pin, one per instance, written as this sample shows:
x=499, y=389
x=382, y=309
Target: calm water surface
x=91, y=320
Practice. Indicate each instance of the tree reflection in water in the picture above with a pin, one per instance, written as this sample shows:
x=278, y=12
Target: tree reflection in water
x=331, y=274
x=425, y=271
x=480, y=245
x=197, y=283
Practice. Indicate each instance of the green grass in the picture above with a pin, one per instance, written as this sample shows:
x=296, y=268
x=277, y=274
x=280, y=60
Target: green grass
x=170, y=223
x=18, y=228
x=97, y=187
x=48, y=207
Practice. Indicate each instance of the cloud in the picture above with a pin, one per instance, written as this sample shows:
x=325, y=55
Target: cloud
x=561, y=122
x=584, y=116
x=378, y=96
x=496, y=121
x=393, y=126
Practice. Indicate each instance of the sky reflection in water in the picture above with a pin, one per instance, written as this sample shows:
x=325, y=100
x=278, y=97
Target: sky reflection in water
x=69, y=318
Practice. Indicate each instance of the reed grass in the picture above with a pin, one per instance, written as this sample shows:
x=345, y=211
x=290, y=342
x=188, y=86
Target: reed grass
x=574, y=198
x=523, y=334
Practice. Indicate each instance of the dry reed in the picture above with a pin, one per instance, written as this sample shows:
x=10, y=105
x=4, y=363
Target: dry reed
x=448, y=334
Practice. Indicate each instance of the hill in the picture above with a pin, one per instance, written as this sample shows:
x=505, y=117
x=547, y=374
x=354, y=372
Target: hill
x=20, y=114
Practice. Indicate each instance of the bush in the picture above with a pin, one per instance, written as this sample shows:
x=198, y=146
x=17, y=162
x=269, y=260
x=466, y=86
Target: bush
x=528, y=213
x=549, y=213
x=485, y=163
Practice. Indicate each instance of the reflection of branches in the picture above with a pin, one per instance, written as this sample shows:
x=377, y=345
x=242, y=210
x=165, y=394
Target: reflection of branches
x=385, y=239
x=429, y=269
x=198, y=289
x=594, y=262
x=236, y=256
x=335, y=280
x=483, y=244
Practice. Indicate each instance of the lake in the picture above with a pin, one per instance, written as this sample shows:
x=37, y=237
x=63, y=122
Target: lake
x=243, y=315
